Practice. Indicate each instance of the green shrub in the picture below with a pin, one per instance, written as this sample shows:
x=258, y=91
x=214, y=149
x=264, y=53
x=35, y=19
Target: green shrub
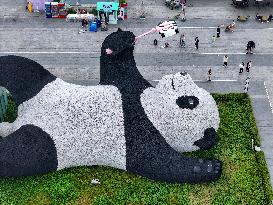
x=94, y=11
x=11, y=113
x=71, y=11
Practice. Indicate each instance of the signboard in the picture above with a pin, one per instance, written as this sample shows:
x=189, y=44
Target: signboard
x=107, y=6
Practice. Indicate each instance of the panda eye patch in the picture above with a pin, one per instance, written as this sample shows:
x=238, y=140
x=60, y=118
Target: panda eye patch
x=187, y=102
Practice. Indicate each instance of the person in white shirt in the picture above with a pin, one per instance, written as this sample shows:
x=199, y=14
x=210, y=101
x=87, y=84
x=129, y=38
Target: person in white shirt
x=241, y=67
x=225, y=60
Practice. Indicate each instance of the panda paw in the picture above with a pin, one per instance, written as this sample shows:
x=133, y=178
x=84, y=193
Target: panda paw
x=207, y=170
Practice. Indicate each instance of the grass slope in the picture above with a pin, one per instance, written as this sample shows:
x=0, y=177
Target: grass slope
x=245, y=178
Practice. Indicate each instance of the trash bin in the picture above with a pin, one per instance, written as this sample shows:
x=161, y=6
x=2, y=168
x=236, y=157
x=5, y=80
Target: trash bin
x=93, y=27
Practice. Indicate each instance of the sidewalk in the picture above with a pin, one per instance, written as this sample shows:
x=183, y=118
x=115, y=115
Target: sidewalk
x=214, y=9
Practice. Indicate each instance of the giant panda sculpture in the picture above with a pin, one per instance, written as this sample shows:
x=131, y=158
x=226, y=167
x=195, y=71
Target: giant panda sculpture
x=124, y=122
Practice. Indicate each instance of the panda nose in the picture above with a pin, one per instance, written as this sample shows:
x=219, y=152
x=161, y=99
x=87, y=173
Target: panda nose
x=187, y=102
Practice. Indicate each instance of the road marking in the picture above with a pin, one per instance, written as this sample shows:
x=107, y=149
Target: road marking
x=235, y=54
x=47, y=52
x=97, y=52
x=214, y=27
x=197, y=27
x=225, y=80
x=268, y=98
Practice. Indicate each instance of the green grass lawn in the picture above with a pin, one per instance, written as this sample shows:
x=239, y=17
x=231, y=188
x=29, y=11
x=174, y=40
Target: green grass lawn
x=245, y=178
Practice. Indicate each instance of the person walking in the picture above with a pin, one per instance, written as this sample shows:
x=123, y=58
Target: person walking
x=84, y=25
x=241, y=67
x=155, y=42
x=248, y=66
x=246, y=84
x=166, y=45
x=249, y=47
x=225, y=61
x=183, y=11
x=182, y=41
x=196, y=43
x=233, y=24
x=218, y=30
x=172, y=4
x=209, y=74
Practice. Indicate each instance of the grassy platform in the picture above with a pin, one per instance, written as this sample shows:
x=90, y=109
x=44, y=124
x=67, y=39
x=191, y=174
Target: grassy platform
x=245, y=178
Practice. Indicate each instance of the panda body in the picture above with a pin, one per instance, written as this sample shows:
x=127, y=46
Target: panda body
x=81, y=120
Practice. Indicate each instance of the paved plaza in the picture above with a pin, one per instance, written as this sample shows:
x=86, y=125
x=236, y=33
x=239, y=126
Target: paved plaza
x=56, y=44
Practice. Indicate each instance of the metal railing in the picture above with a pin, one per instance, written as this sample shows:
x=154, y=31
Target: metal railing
x=3, y=103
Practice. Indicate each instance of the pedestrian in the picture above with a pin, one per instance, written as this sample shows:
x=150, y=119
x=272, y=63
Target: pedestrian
x=166, y=45
x=250, y=46
x=84, y=25
x=183, y=11
x=248, y=66
x=155, y=42
x=246, y=84
x=233, y=24
x=270, y=17
x=225, y=60
x=241, y=66
x=182, y=41
x=172, y=4
x=209, y=74
x=196, y=42
x=218, y=30
x=213, y=38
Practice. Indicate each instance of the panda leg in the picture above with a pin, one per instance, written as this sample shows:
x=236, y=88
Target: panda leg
x=171, y=166
x=27, y=151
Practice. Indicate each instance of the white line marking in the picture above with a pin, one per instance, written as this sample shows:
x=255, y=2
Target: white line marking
x=235, y=54
x=214, y=27
x=268, y=98
x=197, y=27
x=227, y=80
x=98, y=52
x=47, y=52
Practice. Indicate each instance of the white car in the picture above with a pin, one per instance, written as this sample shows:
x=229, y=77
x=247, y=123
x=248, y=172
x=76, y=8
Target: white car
x=169, y=30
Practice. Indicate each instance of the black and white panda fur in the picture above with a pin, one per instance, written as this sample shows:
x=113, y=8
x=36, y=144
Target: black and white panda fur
x=62, y=125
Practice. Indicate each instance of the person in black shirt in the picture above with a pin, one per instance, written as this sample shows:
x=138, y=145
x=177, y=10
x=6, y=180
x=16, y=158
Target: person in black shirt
x=218, y=32
x=196, y=43
x=269, y=18
x=84, y=24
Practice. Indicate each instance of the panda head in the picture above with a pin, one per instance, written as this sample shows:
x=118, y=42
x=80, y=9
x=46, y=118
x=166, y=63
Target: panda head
x=119, y=42
x=181, y=111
